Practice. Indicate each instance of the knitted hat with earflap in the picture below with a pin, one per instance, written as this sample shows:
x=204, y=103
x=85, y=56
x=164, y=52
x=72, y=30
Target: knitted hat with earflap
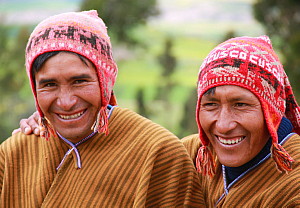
x=250, y=63
x=83, y=33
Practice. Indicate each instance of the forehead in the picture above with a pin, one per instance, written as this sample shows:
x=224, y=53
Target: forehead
x=65, y=63
x=230, y=92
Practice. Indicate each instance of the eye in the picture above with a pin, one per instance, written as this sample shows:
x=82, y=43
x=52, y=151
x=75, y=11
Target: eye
x=79, y=81
x=50, y=84
x=241, y=105
x=209, y=105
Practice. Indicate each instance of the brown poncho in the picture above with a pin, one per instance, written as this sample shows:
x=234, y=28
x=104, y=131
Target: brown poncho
x=139, y=164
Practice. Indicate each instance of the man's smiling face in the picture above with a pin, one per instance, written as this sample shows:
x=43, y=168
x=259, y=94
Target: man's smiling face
x=233, y=120
x=68, y=94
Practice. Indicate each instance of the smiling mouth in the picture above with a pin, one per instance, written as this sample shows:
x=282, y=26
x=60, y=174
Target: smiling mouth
x=73, y=116
x=230, y=141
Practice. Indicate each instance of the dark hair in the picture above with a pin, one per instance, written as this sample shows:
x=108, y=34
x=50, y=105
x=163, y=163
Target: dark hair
x=210, y=91
x=41, y=59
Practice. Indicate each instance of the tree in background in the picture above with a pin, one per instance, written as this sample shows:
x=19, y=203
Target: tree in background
x=281, y=20
x=228, y=35
x=188, y=123
x=142, y=108
x=166, y=85
x=122, y=16
x=161, y=108
x=168, y=64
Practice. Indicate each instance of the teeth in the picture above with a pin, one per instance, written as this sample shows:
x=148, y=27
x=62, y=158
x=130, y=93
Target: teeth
x=230, y=141
x=70, y=116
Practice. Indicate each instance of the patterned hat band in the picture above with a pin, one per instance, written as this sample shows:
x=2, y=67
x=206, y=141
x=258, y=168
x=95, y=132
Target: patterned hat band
x=254, y=58
x=233, y=72
x=87, y=38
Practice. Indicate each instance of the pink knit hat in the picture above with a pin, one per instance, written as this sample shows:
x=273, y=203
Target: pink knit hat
x=83, y=33
x=250, y=63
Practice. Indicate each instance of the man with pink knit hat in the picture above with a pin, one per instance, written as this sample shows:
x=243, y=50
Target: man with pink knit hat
x=247, y=151
x=94, y=154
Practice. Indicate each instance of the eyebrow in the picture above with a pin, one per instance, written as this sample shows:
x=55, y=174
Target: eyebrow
x=44, y=81
x=82, y=76
x=234, y=99
x=209, y=97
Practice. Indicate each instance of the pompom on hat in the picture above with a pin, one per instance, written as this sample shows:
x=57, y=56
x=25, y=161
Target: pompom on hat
x=250, y=63
x=83, y=33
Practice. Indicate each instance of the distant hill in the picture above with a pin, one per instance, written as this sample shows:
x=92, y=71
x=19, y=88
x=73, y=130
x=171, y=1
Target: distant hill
x=35, y=1
x=208, y=18
x=33, y=11
x=182, y=16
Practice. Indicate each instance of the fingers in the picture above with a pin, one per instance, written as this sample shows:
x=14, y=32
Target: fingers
x=25, y=127
x=36, y=131
x=16, y=131
x=30, y=125
x=35, y=116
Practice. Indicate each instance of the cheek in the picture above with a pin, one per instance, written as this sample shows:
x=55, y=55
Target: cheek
x=205, y=120
x=262, y=133
x=44, y=100
x=259, y=131
x=92, y=90
x=259, y=126
x=91, y=94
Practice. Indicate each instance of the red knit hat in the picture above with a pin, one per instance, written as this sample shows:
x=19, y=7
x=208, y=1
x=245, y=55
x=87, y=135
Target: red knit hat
x=250, y=63
x=83, y=33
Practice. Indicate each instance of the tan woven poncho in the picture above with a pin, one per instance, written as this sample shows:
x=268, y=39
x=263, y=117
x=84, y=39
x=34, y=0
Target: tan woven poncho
x=139, y=164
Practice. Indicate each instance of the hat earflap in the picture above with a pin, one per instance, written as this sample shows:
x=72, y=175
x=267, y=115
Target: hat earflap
x=101, y=123
x=282, y=159
x=46, y=129
x=205, y=162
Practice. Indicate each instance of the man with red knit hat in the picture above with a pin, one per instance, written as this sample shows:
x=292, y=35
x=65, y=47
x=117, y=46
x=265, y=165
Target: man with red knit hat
x=247, y=151
x=94, y=154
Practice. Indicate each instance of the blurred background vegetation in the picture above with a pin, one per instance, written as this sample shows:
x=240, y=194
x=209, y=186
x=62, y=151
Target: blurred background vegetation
x=158, y=46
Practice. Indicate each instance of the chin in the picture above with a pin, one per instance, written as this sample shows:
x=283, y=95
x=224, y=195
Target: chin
x=231, y=163
x=70, y=134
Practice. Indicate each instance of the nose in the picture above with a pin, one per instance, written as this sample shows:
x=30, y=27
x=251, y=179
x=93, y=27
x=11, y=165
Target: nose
x=225, y=121
x=66, y=99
